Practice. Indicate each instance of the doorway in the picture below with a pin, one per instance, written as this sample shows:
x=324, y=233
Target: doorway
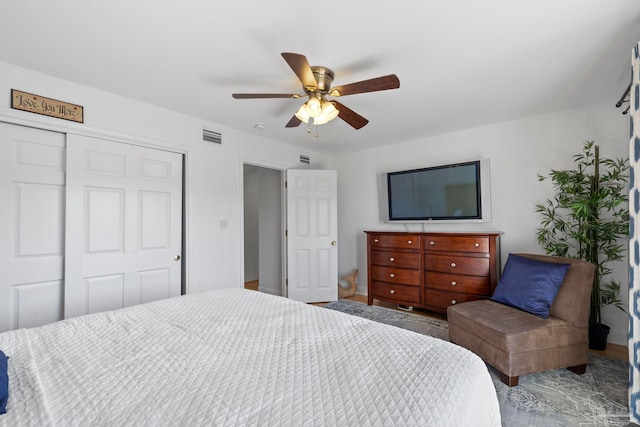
x=263, y=229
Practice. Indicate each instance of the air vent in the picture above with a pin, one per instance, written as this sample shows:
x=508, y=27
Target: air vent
x=211, y=136
x=305, y=160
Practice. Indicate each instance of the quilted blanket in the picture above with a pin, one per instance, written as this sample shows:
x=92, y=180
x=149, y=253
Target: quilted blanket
x=238, y=357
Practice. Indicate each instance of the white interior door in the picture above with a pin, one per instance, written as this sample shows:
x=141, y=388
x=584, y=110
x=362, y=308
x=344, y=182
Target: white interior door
x=32, y=226
x=124, y=225
x=312, y=233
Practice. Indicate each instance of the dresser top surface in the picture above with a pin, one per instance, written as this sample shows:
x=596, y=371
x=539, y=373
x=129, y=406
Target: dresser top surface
x=437, y=233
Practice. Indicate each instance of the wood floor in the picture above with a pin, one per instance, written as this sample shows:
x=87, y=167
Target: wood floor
x=253, y=285
x=613, y=351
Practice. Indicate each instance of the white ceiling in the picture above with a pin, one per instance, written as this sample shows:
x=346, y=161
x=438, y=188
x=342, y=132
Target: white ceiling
x=461, y=63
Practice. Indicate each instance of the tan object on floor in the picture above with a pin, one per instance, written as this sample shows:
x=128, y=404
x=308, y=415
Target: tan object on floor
x=352, y=288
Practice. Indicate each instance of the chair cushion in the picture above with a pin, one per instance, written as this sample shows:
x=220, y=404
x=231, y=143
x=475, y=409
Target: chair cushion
x=512, y=330
x=530, y=285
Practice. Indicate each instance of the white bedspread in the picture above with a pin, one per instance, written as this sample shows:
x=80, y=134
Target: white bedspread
x=237, y=357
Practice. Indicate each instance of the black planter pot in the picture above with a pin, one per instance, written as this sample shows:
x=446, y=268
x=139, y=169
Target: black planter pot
x=598, y=337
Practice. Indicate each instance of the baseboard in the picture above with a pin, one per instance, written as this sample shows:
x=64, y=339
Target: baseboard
x=618, y=338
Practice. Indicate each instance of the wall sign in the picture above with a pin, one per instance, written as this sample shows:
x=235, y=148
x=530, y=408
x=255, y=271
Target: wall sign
x=46, y=106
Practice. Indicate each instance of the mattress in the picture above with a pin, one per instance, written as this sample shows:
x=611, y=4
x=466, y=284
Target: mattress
x=239, y=357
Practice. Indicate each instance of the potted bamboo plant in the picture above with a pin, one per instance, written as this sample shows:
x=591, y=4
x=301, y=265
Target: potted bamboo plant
x=588, y=218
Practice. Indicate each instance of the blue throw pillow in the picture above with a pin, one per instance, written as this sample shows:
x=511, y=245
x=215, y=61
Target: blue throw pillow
x=529, y=284
x=4, y=383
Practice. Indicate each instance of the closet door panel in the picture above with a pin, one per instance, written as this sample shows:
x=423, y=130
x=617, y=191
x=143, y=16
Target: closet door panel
x=39, y=303
x=32, y=179
x=124, y=225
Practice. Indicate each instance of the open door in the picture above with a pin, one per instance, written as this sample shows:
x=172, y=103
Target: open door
x=312, y=233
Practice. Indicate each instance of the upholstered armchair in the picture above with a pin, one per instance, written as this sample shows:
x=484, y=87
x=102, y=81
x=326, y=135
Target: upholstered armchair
x=517, y=342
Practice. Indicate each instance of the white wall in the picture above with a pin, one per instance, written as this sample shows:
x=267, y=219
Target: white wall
x=213, y=172
x=518, y=151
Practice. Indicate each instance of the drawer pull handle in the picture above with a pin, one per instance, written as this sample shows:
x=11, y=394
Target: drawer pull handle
x=392, y=259
x=409, y=241
x=477, y=245
x=453, y=265
x=375, y=240
x=392, y=275
x=453, y=283
x=392, y=292
x=432, y=243
x=453, y=302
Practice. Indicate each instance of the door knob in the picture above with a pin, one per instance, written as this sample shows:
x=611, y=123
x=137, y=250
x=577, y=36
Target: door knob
x=177, y=257
x=333, y=243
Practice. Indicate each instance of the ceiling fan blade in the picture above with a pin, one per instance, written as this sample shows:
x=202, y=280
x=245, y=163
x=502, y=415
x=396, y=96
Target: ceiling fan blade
x=294, y=122
x=301, y=67
x=372, y=85
x=264, y=95
x=351, y=117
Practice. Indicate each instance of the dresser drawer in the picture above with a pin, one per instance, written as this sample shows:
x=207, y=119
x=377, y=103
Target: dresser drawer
x=474, y=266
x=396, y=259
x=395, y=275
x=456, y=243
x=397, y=293
x=442, y=299
x=396, y=241
x=477, y=285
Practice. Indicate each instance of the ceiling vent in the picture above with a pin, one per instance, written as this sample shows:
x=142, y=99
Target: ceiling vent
x=304, y=160
x=211, y=136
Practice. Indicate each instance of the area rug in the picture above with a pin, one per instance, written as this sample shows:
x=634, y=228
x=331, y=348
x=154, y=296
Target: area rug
x=554, y=398
x=401, y=319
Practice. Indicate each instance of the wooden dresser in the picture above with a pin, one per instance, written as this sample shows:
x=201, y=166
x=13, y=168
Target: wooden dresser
x=432, y=270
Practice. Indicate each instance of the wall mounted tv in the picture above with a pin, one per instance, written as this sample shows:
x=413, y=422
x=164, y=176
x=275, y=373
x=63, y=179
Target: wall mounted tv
x=452, y=192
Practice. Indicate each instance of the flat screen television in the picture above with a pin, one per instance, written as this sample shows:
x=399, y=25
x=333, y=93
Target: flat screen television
x=452, y=192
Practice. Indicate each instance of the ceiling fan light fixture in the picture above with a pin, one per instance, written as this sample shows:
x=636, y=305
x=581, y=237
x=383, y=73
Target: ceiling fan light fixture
x=302, y=113
x=314, y=107
x=325, y=114
x=329, y=112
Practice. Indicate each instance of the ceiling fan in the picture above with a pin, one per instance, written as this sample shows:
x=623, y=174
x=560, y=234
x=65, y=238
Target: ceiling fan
x=316, y=83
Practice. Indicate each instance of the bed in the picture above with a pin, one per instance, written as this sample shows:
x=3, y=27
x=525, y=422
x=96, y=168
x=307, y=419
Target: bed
x=240, y=357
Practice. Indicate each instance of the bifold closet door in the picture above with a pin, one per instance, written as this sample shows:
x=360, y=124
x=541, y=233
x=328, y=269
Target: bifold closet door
x=31, y=226
x=123, y=225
